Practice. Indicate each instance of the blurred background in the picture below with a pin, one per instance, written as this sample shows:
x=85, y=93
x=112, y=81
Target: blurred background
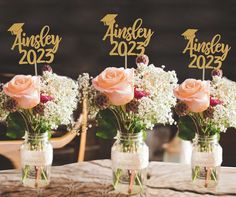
x=82, y=50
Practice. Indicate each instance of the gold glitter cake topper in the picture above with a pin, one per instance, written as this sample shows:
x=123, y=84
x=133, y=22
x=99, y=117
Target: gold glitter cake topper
x=126, y=41
x=35, y=49
x=205, y=55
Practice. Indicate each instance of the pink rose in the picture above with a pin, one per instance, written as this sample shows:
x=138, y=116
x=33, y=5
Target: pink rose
x=116, y=84
x=25, y=89
x=195, y=94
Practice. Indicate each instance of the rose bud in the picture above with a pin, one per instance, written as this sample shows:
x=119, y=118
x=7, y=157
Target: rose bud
x=217, y=72
x=215, y=101
x=45, y=98
x=142, y=59
x=138, y=94
x=47, y=68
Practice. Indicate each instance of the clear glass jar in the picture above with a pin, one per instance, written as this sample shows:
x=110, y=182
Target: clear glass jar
x=206, y=161
x=130, y=157
x=36, y=160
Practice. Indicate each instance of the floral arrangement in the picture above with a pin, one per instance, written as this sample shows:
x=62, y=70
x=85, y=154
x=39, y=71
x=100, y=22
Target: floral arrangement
x=206, y=107
x=37, y=104
x=126, y=102
x=129, y=100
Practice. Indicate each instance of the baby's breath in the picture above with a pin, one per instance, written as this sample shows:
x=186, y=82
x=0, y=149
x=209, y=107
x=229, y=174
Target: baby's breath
x=225, y=113
x=156, y=107
x=3, y=112
x=65, y=97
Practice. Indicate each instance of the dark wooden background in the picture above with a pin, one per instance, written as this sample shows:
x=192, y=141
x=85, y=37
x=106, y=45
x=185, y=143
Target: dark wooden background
x=82, y=48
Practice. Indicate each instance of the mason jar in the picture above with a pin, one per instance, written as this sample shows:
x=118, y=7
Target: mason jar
x=130, y=158
x=206, y=161
x=36, y=160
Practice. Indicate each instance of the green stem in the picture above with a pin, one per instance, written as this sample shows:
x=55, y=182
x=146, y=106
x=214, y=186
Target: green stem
x=140, y=184
x=117, y=119
x=25, y=120
x=213, y=173
x=195, y=123
x=196, y=172
x=117, y=174
x=44, y=175
x=25, y=170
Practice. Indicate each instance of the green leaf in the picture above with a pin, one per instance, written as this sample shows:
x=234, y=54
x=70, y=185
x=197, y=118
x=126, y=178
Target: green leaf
x=15, y=126
x=138, y=125
x=41, y=125
x=187, y=128
x=107, y=124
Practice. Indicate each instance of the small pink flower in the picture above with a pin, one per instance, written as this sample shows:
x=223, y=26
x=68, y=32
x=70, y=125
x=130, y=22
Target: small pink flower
x=215, y=101
x=138, y=94
x=45, y=98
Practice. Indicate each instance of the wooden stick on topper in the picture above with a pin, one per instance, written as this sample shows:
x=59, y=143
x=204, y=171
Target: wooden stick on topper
x=35, y=69
x=203, y=73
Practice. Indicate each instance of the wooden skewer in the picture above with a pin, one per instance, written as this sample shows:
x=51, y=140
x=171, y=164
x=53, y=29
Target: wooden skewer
x=208, y=173
x=84, y=131
x=37, y=176
x=131, y=183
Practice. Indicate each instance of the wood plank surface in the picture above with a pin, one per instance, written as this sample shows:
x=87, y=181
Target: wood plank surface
x=93, y=178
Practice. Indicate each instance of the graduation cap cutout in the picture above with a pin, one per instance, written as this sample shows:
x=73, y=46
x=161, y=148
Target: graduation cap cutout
x=16, y=28
x=189, y=33
x=109, y=19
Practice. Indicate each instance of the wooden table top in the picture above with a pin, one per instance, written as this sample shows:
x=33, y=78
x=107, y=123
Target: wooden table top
x=93, y=178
